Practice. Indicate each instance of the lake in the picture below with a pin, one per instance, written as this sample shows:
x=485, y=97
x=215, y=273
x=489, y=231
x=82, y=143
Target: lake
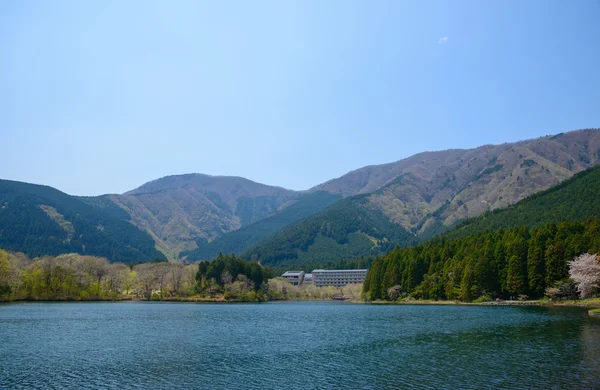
x=295, y=345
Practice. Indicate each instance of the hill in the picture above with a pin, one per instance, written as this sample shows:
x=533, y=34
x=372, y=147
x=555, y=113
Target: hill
x=40, y=220
x=575, y=199
x=348, y=229
x=195, y=215
x=519, y=250
x=431, y=192
x=242, y=239
x=179, y=211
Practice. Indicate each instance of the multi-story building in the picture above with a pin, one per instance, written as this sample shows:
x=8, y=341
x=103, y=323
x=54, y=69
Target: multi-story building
x=338, y=277
x=308, y=280
x=294, y=277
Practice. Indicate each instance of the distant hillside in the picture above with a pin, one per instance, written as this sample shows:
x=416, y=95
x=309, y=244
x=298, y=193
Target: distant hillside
x=40, y=220
x=348, y=229
x=428, y=193
x=576, y=199
x=431, y=191
x=179, y=211
x=240, y=240
x=421, y=196
x=522, y=249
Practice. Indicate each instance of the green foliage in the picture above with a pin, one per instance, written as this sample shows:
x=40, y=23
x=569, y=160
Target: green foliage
x=76, y=277
x=252, y=209
x=72, y=226
x=498, y=263
x=347, y=229
x=491, y=170
x=240, y=240
x=226, y=269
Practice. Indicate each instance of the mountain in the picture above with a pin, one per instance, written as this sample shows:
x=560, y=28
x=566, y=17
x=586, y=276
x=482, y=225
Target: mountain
x=40, y=220
x=195, y=216
x=430, y=192
x=519, y=250
x=434, y=190
x=575, y=199
x=240, y=240
x=348, y=229
x=180, y=211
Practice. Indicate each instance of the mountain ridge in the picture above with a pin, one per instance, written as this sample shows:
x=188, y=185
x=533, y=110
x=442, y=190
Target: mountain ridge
x=423, y=194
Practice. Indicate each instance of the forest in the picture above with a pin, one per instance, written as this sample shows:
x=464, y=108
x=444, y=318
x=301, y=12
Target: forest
x=240, y=240
x=348, y=229
x=74, y=277
x=518, y=262
x=575, y=199
x=39, y=220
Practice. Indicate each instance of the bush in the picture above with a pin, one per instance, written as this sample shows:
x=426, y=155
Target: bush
x=563, y=290
x=483, y=298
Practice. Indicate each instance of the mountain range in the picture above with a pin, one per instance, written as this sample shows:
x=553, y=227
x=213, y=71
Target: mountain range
x=365, y=212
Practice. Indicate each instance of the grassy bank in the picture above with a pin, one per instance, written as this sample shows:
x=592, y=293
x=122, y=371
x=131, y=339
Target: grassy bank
x=591, y=302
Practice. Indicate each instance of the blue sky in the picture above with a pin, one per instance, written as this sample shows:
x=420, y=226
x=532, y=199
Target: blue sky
x=102, y=96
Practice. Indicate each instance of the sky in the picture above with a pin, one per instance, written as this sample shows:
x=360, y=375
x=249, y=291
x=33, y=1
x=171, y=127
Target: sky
x=102, y=96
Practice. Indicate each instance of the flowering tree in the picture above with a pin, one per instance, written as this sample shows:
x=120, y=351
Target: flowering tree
x=585, y=272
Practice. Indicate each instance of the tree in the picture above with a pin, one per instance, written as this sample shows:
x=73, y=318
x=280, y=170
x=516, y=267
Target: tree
x=466, y=284
x=585, y=272
x=146, y=279
x=535, y=264
x=176, y=276
x=516, y=277
x=4, y=273
x=129, y=280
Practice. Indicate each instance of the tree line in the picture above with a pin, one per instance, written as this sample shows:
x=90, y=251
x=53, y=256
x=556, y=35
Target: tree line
x=502, y=263
x=77, y=277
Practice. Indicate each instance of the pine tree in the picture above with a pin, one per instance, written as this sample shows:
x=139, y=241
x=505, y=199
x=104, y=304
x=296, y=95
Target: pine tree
x=536, y=268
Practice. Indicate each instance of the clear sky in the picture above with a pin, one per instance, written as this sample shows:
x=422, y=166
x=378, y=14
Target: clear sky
x=102, y=96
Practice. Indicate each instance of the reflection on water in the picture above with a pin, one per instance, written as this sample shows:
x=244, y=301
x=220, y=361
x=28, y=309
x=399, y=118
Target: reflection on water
x=296, y=345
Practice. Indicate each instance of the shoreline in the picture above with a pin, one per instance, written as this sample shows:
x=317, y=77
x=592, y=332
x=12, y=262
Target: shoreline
x=591, y=303
x=585, y=303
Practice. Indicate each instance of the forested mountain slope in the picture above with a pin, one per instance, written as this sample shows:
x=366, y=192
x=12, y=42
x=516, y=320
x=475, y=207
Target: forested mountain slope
x=348, y=229
x=242, y=239
x=576, y=199
x=431, y=191
x=40, y=220
x=519, y=250
x=178, y=211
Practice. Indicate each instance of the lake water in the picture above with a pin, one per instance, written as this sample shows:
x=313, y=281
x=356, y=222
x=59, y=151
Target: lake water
x=295, y=345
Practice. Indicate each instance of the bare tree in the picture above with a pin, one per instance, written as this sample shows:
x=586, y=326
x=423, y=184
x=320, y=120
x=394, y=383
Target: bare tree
x=189, y=279
x=146, y=279
x=116, y=276
x=585, y=272
x=226, y=277
x=176, y=276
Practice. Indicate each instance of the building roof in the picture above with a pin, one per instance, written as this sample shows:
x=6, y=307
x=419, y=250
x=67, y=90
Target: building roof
x=338, y=270
x=293, y=273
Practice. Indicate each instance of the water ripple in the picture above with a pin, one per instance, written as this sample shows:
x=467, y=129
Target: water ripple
x=326, y=345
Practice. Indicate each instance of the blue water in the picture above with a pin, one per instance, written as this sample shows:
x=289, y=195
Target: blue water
x=327, y=345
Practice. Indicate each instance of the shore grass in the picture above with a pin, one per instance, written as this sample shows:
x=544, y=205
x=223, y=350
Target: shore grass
x=590, y=302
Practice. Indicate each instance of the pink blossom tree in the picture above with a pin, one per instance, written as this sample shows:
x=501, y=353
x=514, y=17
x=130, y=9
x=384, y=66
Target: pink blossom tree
x=585, y=272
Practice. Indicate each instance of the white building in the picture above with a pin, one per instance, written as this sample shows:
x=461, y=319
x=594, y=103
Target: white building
x=308, y=280
x=338, y=277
